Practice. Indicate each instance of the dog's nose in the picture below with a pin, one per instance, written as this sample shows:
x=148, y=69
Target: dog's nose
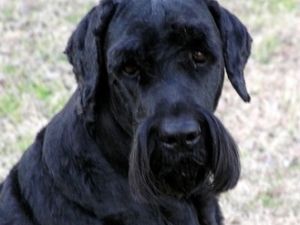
x=179, y=132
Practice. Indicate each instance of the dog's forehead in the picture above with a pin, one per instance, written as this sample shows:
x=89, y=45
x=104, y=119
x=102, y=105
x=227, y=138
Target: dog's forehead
x=136, y=17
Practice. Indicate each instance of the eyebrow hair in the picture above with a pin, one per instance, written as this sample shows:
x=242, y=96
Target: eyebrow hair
x=189, y=33
x=125, y=50
x=131, y=43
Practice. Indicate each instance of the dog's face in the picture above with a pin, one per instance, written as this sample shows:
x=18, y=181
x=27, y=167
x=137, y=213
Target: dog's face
x=165, y=59
x=163, y=53
x=160, y=66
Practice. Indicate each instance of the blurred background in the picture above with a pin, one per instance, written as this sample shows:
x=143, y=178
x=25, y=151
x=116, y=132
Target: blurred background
x=36, y=81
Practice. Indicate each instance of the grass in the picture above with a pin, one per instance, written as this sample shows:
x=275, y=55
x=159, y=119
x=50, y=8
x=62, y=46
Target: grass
x=9, y=69
x=10, y=106
x=7, y=12
x=280, y=6
x=41, y=91
x=23, y=142
x=275, y=7
x=266, y=49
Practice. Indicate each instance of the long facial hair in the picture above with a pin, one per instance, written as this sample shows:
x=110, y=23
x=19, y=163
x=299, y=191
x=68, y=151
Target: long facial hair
x=220, y=172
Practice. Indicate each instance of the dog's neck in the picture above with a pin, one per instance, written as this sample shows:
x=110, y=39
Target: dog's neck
x=111, y=137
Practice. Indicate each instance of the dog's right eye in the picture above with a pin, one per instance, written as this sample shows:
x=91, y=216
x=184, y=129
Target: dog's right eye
x=130, y=69
x=199, y=57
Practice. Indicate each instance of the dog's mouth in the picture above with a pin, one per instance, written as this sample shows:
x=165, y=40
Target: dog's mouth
x=181, y=178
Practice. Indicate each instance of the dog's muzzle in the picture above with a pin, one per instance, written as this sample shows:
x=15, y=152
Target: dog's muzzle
x=174, y=154
x=179, y=157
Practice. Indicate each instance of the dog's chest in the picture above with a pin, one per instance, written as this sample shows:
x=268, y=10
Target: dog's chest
x=176, y=213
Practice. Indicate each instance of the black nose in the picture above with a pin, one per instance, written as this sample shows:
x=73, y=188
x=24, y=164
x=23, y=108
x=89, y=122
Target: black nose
x=179, y=132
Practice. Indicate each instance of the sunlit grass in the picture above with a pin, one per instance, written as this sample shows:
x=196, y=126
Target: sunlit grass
x=265, y=50
x=9, y=106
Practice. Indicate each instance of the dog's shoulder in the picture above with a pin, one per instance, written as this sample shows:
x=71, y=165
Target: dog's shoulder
x=13, y=209
x=29, y=182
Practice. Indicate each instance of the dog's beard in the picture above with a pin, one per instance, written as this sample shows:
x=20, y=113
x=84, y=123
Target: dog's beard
x=154, y=173
x=178, y=174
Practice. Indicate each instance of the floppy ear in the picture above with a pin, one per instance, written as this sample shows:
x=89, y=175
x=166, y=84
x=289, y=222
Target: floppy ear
x=85, y=52
x=236, y=46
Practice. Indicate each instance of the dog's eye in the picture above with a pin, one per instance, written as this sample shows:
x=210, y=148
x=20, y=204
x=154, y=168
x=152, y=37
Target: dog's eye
x=198, y=57
x=130, y=69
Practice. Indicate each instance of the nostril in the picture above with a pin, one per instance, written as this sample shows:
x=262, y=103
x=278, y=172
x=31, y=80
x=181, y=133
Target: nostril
x=192, y=137
x=169, y=141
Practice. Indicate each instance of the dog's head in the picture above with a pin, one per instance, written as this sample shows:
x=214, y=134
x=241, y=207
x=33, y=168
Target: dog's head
x=158, y=66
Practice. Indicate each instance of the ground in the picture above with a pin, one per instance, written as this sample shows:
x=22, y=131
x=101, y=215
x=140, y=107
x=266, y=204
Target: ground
x=36, y=81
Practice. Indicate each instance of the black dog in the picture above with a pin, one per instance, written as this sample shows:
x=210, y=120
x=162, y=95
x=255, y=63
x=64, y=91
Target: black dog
x=138, y=143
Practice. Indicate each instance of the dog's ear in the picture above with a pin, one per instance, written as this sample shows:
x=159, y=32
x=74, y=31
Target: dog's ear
x=236, y=46
x=85, y=52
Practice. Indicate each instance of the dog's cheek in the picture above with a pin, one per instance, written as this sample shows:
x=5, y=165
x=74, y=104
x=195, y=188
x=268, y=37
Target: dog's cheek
x=123, y=104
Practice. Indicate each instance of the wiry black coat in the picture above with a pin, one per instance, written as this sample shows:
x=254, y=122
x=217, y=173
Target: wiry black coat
x=93, y=164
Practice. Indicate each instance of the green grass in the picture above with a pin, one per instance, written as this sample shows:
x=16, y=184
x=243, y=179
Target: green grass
x=283, y=5
x=269, y=200
x=266, y=49
x=41, y=91
x=9, y=106
x=275, y=6
x=7, y=12
x=9, y=69
x=23, y=142
x=73, y=18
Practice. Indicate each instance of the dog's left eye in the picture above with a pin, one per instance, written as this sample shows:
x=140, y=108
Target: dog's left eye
x=130, y=69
